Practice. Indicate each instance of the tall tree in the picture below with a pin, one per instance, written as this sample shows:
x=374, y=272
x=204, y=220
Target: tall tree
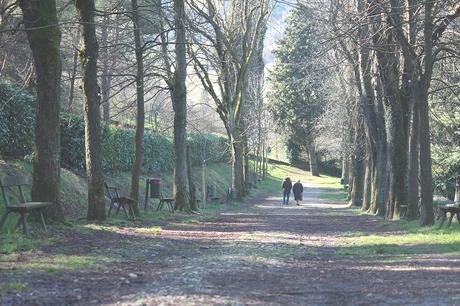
x=44, y=36
x=233, y=47
x=179, y=100
x=140, y=120
x=297, y=94
x=91, y=110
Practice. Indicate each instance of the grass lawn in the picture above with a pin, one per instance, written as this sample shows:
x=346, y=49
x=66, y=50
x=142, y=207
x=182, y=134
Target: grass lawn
x=402, y=238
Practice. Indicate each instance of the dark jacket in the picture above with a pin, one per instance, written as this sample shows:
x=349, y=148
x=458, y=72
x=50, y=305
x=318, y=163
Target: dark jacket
x=287, y=186
x=298, y=189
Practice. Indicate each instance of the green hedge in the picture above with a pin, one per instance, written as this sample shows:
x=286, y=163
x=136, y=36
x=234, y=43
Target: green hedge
x=118, y=147
x=17, y=116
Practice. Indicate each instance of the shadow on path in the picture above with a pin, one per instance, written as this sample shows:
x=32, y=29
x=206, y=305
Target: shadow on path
x=264, y=254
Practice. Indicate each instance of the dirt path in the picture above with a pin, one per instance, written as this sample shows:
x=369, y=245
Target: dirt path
x=261, y=254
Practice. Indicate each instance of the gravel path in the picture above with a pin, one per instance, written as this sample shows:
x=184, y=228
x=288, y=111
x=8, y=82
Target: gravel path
x=260, y=254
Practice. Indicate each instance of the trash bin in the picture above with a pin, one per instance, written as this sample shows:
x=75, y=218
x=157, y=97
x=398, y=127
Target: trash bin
x=212, y=190
x=155, y=187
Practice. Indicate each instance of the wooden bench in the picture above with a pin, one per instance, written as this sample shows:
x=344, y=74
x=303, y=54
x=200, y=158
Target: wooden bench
x=120, y=201
x=168, y=201
x=442, y=212
x=22, y=207
x=403, y=210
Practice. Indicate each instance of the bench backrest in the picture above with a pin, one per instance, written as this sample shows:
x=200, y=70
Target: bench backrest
x=8, y=183
x=112, y=192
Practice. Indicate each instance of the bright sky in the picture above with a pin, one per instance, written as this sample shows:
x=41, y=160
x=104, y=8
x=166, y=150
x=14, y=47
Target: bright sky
x=275, y=29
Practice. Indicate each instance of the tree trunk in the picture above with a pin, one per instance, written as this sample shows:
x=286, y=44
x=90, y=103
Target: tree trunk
x=106, y=78
x=426, y=179
x=358, y=183
x=179, y=99
x=44, y=38
x=140, y=120
x=379, y=173
x=413, y=168
x=357, y=167
x=345, y=170
x=264, y=163
x=313, y=157
x=92, y=112
x=396, y=135
x=238, y=165
x=426, y=176
x=457, y=190
x=191, y=181
x=73, y=75
x=367, y=192
x=246, y=170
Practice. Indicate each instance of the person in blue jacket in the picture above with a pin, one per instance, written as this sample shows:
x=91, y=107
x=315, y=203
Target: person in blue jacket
x=286, y=187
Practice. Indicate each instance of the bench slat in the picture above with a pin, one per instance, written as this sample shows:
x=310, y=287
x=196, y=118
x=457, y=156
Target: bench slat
x=12, y=181
x=31, y=205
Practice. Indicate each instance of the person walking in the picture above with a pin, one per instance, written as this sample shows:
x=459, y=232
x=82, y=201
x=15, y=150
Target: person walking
x=297, y=189
x=286, y=187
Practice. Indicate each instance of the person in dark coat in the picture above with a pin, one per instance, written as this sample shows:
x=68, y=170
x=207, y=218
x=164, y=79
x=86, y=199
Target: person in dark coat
x=297, y=189
x=286, y=187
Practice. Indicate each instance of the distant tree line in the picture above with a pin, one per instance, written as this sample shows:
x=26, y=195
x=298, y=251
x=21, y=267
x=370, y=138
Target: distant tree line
x=387, y=77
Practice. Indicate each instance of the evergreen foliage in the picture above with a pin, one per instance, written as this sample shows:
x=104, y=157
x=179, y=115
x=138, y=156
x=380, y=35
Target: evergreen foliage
x=298, y=94
x=17, y=117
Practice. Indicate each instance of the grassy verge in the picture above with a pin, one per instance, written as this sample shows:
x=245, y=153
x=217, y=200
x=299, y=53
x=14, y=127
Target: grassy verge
x=402, y=238
x=330, y=186
x=74, y=202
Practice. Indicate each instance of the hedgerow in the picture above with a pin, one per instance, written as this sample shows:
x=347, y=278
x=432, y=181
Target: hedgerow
x=17, y=118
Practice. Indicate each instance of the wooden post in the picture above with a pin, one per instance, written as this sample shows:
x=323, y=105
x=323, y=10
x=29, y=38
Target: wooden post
x=457, y=190
x=174, y=185
x=191, y=183
x=203, y=185
x=147, y=187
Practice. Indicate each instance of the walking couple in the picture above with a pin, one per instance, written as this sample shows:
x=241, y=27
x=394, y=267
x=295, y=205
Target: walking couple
x=297, y=189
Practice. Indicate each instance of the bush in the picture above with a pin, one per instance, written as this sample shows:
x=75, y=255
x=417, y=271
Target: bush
x=118, y=148
x=72, y=142
x=17, y=121
x=208, y=147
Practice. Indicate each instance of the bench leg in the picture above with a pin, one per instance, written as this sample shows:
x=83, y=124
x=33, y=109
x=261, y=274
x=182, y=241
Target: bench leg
x=450, y=219
x=160, y=205
x=19, y=223
x=444, y=216
x=131, y=211
x=3, y=220
x=118, y=209
x=110, y=208
x=25, y=229
x=124, y=209
x=42, y=219
x=171, y=207
x=147, y=187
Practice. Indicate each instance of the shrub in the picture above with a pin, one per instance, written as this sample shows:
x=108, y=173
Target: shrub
x=17, y=121
x=118, y=148
x=72, y=142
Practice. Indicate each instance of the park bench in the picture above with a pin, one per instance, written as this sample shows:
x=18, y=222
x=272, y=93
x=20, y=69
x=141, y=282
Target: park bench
x=157, y=193
x=165, y=200
x=21, y=206
x=403, y=210
x=113, y=193
x=442, y=211
x=211, y=195
x=189, y=198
